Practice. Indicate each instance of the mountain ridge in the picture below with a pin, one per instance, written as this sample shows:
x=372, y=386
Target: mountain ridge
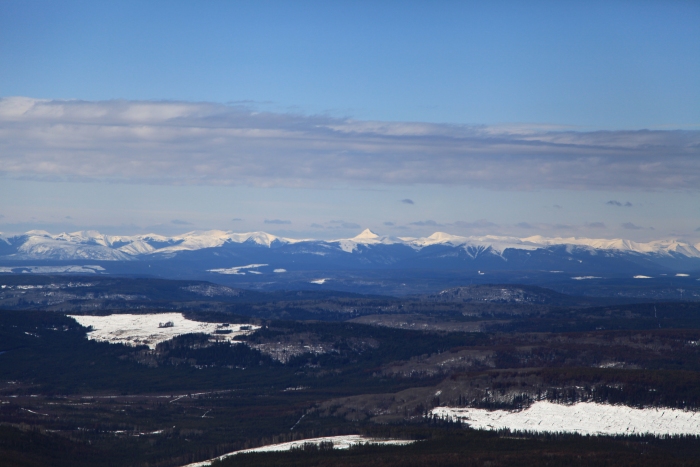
x=39, y=244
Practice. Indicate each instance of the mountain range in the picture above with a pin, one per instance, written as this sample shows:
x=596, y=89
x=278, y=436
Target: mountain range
x=218, y=252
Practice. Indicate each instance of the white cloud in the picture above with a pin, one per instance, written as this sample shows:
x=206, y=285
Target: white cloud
x=212, y=144
x=428, y=223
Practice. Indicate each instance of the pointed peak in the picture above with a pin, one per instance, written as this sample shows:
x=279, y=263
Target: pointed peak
x=366, y=234
x=442, y=236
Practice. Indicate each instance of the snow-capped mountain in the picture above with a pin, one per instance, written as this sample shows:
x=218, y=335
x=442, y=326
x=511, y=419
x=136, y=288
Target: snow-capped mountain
x=207, y=252
x=90, y=244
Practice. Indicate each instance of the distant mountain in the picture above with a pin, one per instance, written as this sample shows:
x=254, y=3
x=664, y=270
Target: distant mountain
x=264, y=258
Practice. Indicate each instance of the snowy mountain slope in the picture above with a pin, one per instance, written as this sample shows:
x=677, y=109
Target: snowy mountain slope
x=42, y=245
x=367, y=237
x=39, y=244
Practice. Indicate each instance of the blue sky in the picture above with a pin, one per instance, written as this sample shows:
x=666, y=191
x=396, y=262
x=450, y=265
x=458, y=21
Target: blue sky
x=328, y=114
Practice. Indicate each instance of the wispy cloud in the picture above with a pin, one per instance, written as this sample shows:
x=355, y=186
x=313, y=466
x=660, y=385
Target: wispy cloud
x=202, y=143
x=277, y=221
x=407, y=201
x=596, y=225
x=614, y=202
x=428, y=223
x=344, y=225
x=477, y=224
x=631, y=226
x=180, y=222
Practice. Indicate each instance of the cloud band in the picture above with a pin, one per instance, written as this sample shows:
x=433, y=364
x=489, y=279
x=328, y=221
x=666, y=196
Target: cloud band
x=214, y=144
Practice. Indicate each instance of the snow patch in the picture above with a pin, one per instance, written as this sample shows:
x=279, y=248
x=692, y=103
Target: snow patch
x=642, y=277
x=582, y=278
x=586, y=418
x=238, y=269
x=319, y=281
x=72, y=268
x=153, y=329
x=339, y=442
x=280, y=270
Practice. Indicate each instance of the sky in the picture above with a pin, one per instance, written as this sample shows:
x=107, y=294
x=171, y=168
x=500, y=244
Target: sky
x=320, y=119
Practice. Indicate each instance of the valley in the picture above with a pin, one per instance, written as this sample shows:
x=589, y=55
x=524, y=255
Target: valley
x=157, y=372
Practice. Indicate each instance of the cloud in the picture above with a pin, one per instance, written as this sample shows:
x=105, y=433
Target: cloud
x=214, y=144
x=236, y=219
x=180, y=222
x=427, y=223
x=698, y=229
x=277, y=221
x=407, y=201
x=478, y=224
x=317, y=226
x=524, y=225
x=613, y=202
x=391, y=224
x=631, y=226
x=556, y=206
x=67, y=217
x=596, y=225
x=344, y=225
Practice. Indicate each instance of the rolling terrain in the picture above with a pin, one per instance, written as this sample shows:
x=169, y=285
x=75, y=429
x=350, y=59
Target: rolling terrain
x=98, y=369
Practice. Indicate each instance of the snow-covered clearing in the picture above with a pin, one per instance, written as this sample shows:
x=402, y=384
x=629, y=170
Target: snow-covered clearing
x=238, y=270
x=155, y=328
x=586, y=418
x=339, y=442
x=86, y=269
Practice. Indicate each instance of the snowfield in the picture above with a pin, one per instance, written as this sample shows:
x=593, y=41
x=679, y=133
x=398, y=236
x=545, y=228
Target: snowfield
x=339, y=442
x=586, y=418
x=153, y=329
x=74, y=269
x=238, y=270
